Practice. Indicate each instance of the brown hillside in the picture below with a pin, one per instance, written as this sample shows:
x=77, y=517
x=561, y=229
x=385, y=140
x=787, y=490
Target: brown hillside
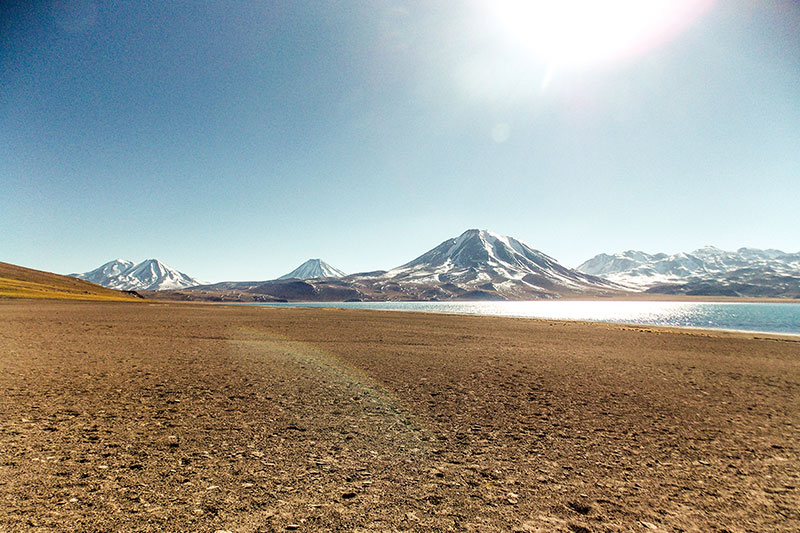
x=21, y=282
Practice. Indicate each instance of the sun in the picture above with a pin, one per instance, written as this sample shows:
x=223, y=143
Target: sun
x=580, y=33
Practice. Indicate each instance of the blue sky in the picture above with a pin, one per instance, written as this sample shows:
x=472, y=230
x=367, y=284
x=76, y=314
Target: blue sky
x=235, y=140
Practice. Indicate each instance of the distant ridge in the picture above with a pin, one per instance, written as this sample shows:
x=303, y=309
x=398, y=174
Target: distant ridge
x=151, y=275
x=707, y=271
x=21, y=282
x=477, y=265
x=314, y=269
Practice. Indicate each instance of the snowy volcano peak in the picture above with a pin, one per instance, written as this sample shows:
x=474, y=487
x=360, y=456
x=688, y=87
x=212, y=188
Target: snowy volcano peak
x=480, y=248
x=155, y=275
x=313, y=269
x=106, y=271
x=150, y=274
x=483, y=246
x=481, y=260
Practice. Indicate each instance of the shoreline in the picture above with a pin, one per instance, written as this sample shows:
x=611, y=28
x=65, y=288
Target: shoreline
x=333, y=305
x=322, y=305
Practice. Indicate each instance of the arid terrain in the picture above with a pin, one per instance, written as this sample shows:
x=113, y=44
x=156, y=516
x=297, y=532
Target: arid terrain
x=21, y=282
x=188, y=417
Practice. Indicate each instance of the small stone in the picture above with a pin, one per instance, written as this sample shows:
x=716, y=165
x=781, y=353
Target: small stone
x=580, y=507
x=212, y=487
x=348, y=495
x=292, y=527
x=648, y=525
x=248, y=485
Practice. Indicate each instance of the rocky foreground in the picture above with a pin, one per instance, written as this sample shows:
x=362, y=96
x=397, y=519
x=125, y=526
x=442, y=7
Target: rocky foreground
x=154, y=417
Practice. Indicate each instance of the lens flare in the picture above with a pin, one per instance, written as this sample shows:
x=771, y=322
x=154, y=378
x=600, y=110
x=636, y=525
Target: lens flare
x=578, y=33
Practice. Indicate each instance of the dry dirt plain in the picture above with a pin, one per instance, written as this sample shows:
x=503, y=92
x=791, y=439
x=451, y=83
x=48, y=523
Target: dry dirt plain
x=182, y=417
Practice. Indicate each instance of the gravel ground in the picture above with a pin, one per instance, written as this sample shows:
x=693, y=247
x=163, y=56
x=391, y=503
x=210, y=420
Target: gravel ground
x=182, y=417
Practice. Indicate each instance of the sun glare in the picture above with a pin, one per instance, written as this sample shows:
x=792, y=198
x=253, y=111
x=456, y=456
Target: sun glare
x=577, y=33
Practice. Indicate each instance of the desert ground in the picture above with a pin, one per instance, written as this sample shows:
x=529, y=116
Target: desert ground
x=191, y=417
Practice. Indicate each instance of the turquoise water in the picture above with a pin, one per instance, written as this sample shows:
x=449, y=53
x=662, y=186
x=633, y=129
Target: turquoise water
x=756, y=317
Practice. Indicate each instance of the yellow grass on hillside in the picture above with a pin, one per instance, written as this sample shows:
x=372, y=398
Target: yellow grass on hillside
x=21, y=282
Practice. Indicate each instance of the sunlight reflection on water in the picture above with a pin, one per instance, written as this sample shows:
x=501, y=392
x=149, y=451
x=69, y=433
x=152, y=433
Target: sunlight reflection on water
x=764, y=317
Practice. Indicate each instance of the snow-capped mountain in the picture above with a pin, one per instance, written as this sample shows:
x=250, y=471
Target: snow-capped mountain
x=313, y=269
x=151, y=274
x=111, y=270
x=639, y=269
x=477, y=265
x=482, y=264
x=642, y=270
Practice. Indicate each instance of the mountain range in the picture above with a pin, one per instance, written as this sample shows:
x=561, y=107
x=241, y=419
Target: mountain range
x=482, y=265
x=150, y=274
x=707, y=271
x=477, y=265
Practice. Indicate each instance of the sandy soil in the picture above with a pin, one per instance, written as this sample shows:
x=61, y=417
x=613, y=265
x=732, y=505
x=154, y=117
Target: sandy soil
x=178, y=417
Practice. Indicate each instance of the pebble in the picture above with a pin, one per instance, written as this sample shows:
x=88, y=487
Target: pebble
x=292, y=527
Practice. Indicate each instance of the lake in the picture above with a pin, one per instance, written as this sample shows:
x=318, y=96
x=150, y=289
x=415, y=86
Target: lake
x=754, y=317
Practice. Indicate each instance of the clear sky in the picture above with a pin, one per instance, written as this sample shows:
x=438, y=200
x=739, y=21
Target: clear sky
x=235, y=140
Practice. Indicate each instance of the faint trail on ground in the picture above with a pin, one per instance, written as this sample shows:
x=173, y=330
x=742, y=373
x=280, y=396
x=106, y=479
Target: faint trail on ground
x=362, y=393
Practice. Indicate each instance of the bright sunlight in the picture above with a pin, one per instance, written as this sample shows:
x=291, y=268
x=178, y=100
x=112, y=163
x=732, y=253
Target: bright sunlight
x=580, y=33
